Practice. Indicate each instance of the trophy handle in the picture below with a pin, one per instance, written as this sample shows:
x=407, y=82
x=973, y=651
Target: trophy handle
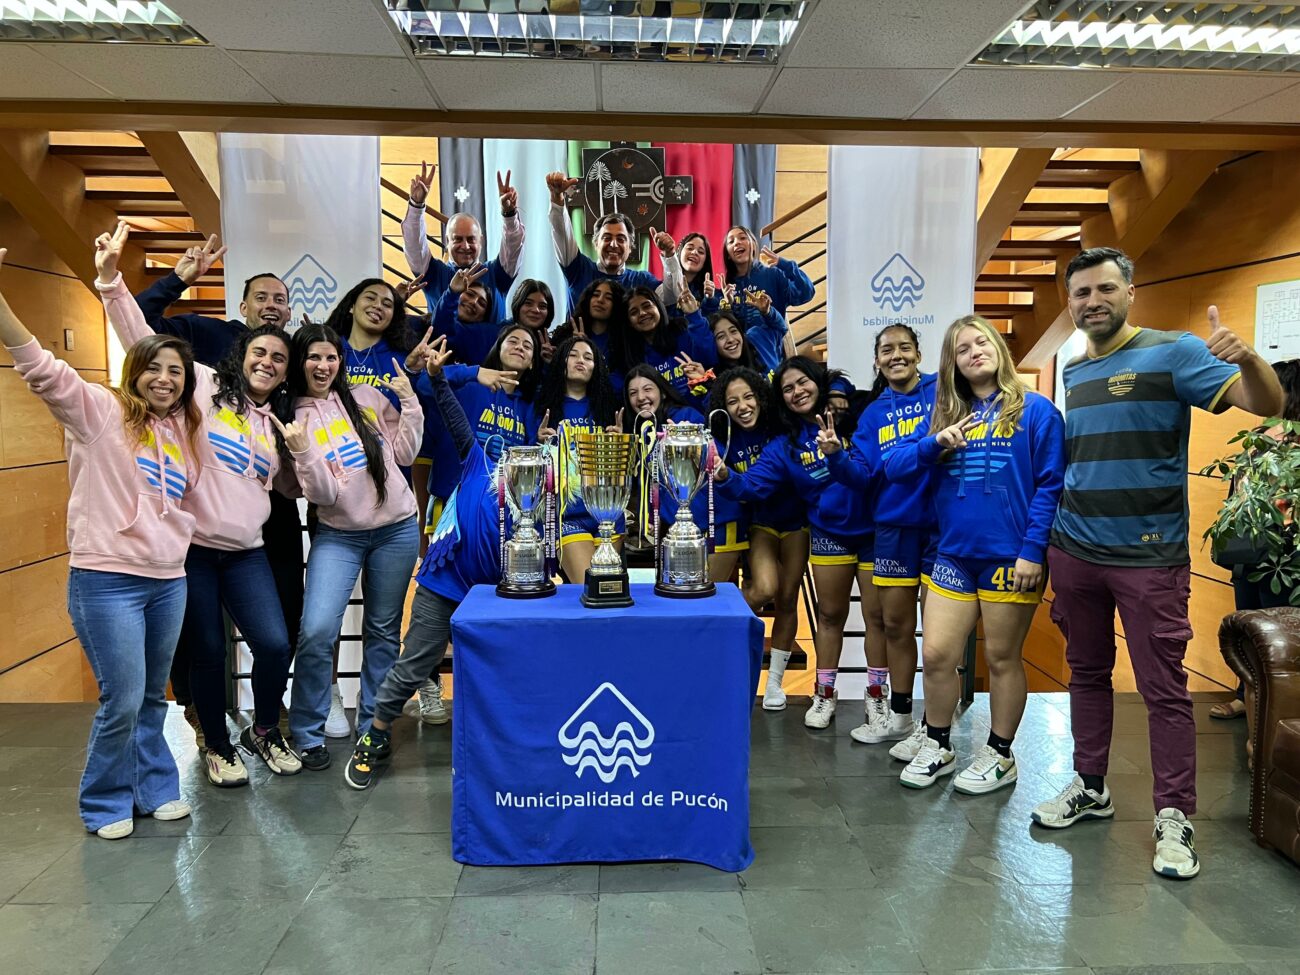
x=726, y=450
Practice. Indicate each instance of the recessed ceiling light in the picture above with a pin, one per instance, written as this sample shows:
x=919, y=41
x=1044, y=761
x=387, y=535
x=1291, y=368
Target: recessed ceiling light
x=123, y=21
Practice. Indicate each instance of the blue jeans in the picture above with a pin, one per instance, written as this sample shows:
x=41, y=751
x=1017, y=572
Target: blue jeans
x=387, y=556
x=241, y=582
x=128, y=626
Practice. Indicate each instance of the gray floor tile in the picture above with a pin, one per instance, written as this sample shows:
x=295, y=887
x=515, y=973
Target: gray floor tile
x=572, y=878
x=254, y=867
x=297, y=804
x=23, y=858
x=406, y=806
x=49, y=812
x=42, y=766
x=392, y=866
x=1270, y=961
x=552, y=933
x=1220, y=969
x=929, y=855
x=1269, y=916
x=63, y=939
x=616, y=878
x=132, y=871
x=828, y=931
x=399, y=936
x=674, y=934
x=798, y=858
x=780, y=801
x=882, y=801
x=843, y=756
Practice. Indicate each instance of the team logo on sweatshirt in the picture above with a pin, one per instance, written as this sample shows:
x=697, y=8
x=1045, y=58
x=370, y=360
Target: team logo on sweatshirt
x=173, y=473
x=1122, y=383
x=236, y=447
x=607, y=733
x=897, y=285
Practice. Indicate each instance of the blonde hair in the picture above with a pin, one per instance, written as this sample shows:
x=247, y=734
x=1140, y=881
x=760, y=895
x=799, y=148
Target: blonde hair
x=953, y=395
x=135, y=409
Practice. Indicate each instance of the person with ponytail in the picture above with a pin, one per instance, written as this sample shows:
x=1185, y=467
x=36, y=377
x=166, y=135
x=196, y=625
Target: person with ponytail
x=132, y=459
x=226, y=568
x=665, y=343
x=348, y=445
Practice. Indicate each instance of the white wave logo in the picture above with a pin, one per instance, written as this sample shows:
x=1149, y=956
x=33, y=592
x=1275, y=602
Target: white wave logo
x=897, y=285
x=312, y=289
x=625, y=748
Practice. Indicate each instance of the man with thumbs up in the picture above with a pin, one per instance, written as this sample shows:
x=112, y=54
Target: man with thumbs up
x=1119, y=541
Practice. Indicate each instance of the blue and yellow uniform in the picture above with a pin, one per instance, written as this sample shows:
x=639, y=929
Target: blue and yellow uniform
x=696, y=341
x=779, y=514
x=470, y=343
x=576, y=523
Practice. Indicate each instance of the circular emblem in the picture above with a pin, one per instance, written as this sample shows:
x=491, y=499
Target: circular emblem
x=625, y=180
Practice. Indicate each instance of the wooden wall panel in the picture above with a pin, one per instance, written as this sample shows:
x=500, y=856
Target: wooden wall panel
x=1210, y=602
x=33, y=513
x=33, y=602
x=28, y=433
x=59, y=675
x=1204, y=498
x=48, y=304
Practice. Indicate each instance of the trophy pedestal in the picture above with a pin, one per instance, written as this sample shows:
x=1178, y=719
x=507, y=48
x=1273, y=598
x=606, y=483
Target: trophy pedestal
x=522, y=590
x=606, y=590
x=685, y=591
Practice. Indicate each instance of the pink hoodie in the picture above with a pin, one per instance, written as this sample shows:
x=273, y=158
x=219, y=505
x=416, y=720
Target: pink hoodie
x=123, y=513
x=333, y=472
x=231, y=502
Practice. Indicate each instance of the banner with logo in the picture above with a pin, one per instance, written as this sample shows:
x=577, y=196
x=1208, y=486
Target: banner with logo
x=304, y=207
x=900, y=247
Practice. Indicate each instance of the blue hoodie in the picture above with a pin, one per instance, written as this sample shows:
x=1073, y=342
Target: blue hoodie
x=786, y=284
x=470, y=343
x=995, y=498
x=696, y=341
x=782, y=510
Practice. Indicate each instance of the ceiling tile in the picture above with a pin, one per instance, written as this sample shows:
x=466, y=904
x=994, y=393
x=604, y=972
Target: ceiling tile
x=1015, y=93
x=322, y=79
x=934, y=34
x=850, y=92
x=149, y=72
x=512, y=84
x=1284, y=107
x=730, y=89
x=24, y=73
x=305, y=26
x=1179, y=97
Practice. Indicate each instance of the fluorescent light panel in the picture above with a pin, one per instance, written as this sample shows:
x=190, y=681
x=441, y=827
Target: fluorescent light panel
x=123, y=21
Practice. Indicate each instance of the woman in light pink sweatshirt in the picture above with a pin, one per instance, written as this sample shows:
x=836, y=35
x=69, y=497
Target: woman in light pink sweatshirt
x=348, y=447
x=226, y=566
x=132, y=459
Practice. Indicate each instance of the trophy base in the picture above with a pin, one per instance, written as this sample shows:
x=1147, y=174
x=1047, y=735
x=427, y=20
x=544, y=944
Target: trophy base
x=535, y=590
x=605, y=591
x=693, y=591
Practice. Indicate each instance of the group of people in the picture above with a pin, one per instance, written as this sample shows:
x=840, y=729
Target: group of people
x=961, y=488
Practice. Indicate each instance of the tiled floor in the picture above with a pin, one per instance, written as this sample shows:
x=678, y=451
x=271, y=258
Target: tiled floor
x=853, y=873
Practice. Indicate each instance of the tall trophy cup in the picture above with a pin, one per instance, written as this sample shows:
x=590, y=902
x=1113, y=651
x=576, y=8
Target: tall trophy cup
x=605, y=464
x=525, y=481
x=682, y=466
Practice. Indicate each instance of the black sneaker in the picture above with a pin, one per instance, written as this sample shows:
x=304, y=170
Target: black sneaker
x=1075, y=802
x=272, y=750
x=372, y=748
x=315, y=759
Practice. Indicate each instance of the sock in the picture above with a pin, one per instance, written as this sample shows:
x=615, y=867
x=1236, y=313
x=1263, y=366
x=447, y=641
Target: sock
x=877, y=677
x=1094, y=783
x=259, y=731
x=900, y=703
x=1000, y=745
x=942, y=735
x=777, y=664
x=826, y=677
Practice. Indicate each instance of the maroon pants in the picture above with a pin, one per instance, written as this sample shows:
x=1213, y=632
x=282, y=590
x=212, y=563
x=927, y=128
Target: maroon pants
x=1152, y=602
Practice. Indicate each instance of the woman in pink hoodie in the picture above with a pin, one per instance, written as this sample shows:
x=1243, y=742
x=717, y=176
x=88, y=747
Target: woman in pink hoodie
x=132, y=458
x=348, y=446
x=226, y=566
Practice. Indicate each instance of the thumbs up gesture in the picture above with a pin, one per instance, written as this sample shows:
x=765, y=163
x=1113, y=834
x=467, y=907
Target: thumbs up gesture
x=1224, y=343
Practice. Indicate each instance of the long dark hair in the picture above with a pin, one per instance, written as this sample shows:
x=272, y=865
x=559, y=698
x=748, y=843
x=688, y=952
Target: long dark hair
x=617, y=323
x=667, y=396
x=628, y=349
x=601, y=397
x=1288, y=374
x=748, y=357
x=762, y=389
x=791, y=422
x=728, y=263
x=881, y=382
x=532, y=377
x=526, y=288
x=232, y=386
x=303, y=340
x=706, y=269
x=397, y=335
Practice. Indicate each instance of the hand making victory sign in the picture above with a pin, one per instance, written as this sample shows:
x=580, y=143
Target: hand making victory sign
x=108, y=250
x=408, y=288
x=692, y=370
x=420, y=184
x=508, y=194
x=419, y=355
x=199, y=260
x=399, y=384
x=954, y=437
x=828, y=441
x=463, y=278
x=437, y=357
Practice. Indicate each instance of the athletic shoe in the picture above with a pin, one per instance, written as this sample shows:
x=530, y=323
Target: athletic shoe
x=882, y=724
x=906, y=749
x=822, y=712
x=932, y=762
x=272, y=750
x=224, y=767
x=337, y=724
x=1073, y=803
x=432, y=710
x=176, y=809
x=119, y=830
x=773, y=694
x=192, y=719
x=372, y=748
x=1175, y=851
x=285, y=733
x=988, y=773
x=315, y=759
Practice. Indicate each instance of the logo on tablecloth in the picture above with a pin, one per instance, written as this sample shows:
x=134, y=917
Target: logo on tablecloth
x=606, y=734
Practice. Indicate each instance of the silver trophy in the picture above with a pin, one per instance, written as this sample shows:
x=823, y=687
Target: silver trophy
x=682, y=464
x=605, y=463
x=525, y=482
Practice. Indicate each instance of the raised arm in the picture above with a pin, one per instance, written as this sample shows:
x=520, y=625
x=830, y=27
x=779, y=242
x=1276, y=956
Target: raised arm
x=566, y=247
x=123, y=312
x=415, y=242
x=511, y=250
x=449, y=408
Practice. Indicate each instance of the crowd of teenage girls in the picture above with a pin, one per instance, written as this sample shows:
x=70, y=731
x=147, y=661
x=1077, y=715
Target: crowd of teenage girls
x=941, y=485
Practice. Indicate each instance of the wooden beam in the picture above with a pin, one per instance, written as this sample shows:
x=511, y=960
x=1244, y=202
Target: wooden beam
x=186, y=177
x=49, y=193
x=1006, y=177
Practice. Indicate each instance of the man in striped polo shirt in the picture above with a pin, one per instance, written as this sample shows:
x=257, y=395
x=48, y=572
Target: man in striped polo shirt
x=1120, y=536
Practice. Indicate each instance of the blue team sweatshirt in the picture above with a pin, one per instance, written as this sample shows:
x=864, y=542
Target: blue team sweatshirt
x=782, y=510
x=995, y=498
x=470, y=343
x=437, y=282
x=696, y=341
x=786, y=283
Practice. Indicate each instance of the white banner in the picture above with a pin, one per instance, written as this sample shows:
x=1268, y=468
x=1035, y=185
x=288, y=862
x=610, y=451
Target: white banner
x=901, y=247
x=304, y=207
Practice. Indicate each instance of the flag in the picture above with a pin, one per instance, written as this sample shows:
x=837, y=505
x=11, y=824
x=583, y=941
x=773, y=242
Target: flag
x=753, y=187
x=710, y=213
x=460, y=183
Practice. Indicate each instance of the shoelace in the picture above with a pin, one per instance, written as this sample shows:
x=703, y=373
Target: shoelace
x=928, y=755
x=878, y=709
x=226, y=756
x=985, y=760
x=822, y=703
x=1172, y=829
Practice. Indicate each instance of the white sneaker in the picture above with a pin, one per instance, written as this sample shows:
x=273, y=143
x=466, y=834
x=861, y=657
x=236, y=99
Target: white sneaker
x=989, y=772
x=1072, y=804
x=882, y=724
x=1175, y=850
x=773, y=694
x=176, y=809
x=906, y=749
x=337, y=724
x=225, y=770
x=119, y=830
x=432, y=710
x=822, y=712
x=931, y=763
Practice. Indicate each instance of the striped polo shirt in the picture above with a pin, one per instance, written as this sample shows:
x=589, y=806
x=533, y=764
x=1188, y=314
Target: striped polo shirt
x=1127, y=419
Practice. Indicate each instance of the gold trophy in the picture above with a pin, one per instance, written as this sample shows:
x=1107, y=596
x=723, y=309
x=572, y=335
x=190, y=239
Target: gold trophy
x=605, y=464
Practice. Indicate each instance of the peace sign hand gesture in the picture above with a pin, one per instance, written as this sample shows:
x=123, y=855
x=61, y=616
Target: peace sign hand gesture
x=954, y=437
x=420, y=184
x=295, y=434
x=498, y=380
x=419, y=355
x=559, y=185
x=579, y=329
x=617, y=425
x=759, y=299
x=408, y=288
x=664, y=241
x=508, y=194
x=437, y=357
x=399, y=384
x=828, y=441
x=108, y=251
x=199, y=260
x=692, y=370
x=687, y=303
x=463, y=278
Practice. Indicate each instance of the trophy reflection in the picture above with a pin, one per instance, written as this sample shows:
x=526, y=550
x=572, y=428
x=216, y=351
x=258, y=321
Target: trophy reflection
x=525, y=480
x=682, y=463
x=605, y=463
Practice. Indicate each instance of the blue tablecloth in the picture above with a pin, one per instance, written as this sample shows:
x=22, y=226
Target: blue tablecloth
x=603, y=735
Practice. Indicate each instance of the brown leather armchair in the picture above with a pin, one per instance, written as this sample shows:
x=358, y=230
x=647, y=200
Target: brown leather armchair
x=1263, y=648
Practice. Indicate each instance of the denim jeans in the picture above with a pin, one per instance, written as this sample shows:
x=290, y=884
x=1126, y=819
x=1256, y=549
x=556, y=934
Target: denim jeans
x=387, y=558
x=242, y=583
x=427, y=636
x=128, y=627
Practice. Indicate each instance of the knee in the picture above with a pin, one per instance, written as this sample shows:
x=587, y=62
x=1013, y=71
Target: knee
x=896, y=631
x=833, y=617
x=121, y=706
x=762, y=592
x=1002, y=661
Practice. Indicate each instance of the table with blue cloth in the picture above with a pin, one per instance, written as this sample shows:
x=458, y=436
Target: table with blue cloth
x=609, y=735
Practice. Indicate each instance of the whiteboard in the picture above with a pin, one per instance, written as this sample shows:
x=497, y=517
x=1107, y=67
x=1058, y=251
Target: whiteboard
x=1277, y=320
